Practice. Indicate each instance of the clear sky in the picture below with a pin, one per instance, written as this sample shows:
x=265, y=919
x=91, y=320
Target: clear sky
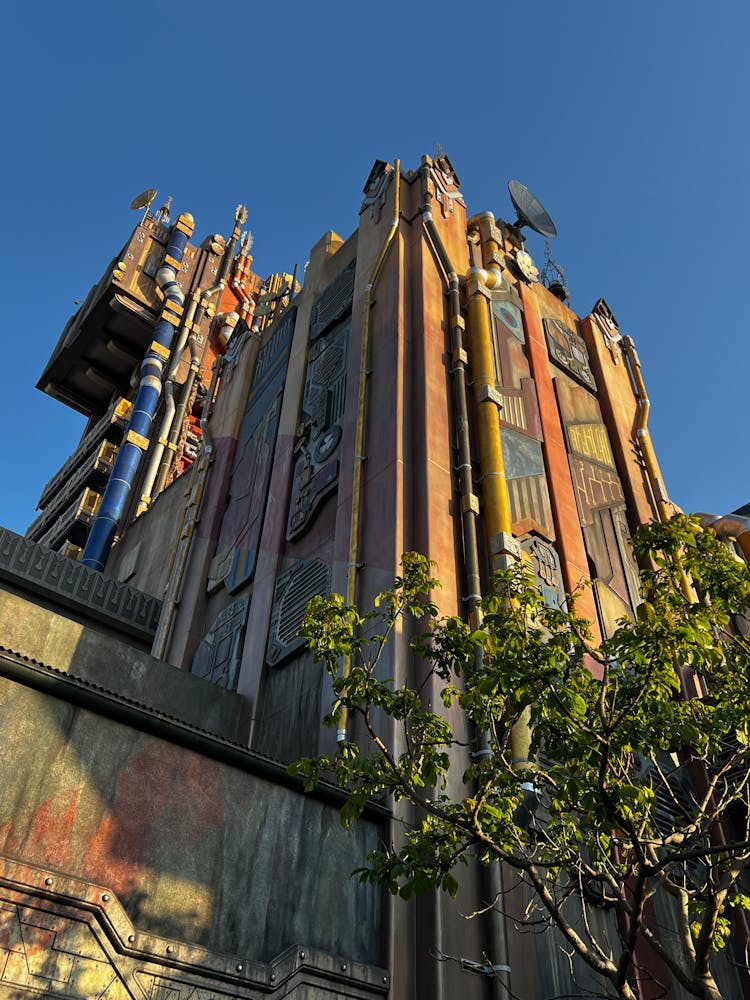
x=628, y=120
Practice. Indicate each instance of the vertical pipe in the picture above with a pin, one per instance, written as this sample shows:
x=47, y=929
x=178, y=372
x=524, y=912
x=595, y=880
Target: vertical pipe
x=643, y=435
x=359, y=433
x=469, y=501
x=169, y=406
x=175, y=426
x=487, y=402
x=240, y=217
x=240, y=276
x=663, y=504
x=181, y=552
x=493, y=888
x=136, y=437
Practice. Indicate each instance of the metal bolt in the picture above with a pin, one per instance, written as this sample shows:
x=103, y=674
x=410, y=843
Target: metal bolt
x=131, y=938
x=302, y=954
x=273, y=977
x=239, y=966
x=385, y=980
x=170, y=949
x=48, y=880
x=343, y=966
x=105, y=897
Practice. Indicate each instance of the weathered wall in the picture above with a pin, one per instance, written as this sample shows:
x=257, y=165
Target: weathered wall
x=194, y=849
x=98, y=659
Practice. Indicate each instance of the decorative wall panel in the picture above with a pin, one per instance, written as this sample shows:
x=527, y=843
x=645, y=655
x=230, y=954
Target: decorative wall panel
x=237, y=549
x=334, y=302
x=568, y=350
x=519, y=419
x=44, y=571
x=546, y=565
x=294, y=589
x=592, y=465
x=594, y=487
x=316, y=469
x=62, y=937
x=601, y=503
x=527, y=484
x=612, y=561
x=218, y=656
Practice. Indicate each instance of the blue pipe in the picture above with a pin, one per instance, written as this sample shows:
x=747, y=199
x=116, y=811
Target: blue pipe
x=136, y=438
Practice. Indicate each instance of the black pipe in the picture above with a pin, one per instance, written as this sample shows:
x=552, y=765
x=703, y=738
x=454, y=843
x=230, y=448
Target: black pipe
x=492, y=875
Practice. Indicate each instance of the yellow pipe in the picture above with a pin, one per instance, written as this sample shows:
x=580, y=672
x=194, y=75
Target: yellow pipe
x=487, y=400
x=664, y=506
x=359, y=434
x=650, y=462
x=498, y=519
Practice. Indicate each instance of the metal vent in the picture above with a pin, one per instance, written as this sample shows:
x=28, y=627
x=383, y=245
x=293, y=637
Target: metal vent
x=294, y=589
x=326, y=367
x=333, y=302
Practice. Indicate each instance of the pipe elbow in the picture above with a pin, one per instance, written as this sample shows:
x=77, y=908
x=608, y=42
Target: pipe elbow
x=490, y=278
x=494, y=278
x=476, y=220
x=728, y=526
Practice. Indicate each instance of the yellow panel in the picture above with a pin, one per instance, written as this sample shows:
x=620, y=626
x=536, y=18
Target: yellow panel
x=137, y=439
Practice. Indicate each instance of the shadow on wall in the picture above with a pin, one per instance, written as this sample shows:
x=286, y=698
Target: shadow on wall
x=195, y=849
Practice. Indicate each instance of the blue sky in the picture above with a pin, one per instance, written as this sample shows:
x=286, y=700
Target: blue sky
x=629, y=121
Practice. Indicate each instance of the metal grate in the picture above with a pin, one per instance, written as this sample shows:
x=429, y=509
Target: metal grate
x=294, y=589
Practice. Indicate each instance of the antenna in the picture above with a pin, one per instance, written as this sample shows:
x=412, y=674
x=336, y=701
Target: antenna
x=553, y=275
x=143, y=200
x=530, y=210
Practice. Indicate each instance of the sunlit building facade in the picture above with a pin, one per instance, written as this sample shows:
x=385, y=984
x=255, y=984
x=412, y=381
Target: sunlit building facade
x=251, y=443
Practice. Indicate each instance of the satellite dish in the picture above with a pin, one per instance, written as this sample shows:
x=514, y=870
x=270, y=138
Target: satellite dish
x=530, y=210
x=144, y=199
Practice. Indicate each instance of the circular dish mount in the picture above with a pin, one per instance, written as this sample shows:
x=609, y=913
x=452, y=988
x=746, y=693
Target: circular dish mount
x=526, y=266
x=530, y=210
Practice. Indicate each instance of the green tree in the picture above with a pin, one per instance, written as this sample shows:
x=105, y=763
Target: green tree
x=633, y=789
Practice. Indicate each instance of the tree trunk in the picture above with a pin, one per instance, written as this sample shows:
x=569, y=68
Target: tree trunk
x=708, y=988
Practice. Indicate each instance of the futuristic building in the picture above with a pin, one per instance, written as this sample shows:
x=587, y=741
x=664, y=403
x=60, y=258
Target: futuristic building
x=251, y=444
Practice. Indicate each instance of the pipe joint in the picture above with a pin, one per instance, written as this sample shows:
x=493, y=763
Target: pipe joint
x=480, y=219
x=504, y=544
x=490, y=394
x=476, y=282
x=480, y=280
x=152, y=382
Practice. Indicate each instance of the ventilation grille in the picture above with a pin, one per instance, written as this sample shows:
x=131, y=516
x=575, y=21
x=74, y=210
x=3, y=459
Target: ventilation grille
x=333, y=302
x=294, y=590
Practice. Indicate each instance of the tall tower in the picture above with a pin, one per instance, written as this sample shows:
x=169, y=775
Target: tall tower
x=423, y=391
